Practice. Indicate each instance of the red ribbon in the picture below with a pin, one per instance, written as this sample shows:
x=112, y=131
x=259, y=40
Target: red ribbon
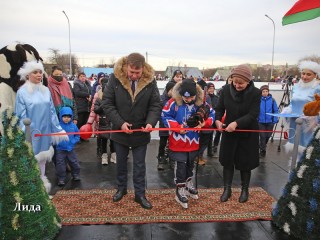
x=150, y=130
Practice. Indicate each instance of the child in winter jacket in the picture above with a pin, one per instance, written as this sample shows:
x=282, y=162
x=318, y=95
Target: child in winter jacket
x=65, y=149
x=102, y=123
x=266, y=122
x=187, y=98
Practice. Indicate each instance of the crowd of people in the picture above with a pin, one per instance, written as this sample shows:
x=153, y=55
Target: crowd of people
x=129, y=100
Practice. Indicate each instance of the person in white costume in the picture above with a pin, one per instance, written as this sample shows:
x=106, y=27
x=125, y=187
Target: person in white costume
x=12, y=58
x=302, y=93
x=34, y=101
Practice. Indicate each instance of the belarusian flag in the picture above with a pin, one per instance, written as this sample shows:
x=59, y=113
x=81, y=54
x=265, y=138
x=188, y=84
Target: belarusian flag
x=302, y=10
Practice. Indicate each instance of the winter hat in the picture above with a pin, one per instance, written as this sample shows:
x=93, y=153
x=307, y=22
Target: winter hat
x=188, y=88
x=101, y=75
x=29, y=67
x=264, y=87
x=169, y=86
x=104, y=82
x=176, y=72
x=313, y=66
x=243, y=71
x=210, y=84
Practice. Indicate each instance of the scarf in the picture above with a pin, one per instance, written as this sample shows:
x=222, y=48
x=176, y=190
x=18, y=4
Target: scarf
x=61, y=93
x=239, y=96
x=310, y=84
x=32, y=87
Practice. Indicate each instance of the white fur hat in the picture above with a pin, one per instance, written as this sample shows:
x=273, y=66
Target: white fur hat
x=313, y=66
x=29, y=67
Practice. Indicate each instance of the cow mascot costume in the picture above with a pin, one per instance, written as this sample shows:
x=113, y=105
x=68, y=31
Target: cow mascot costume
x=12, y=57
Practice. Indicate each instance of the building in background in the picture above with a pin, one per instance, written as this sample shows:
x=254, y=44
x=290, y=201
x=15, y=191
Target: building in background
x=186, y=71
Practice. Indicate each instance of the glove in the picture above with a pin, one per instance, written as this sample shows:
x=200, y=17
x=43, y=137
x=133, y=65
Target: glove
x=194, y=119
x=286, y=110
x=201, y=115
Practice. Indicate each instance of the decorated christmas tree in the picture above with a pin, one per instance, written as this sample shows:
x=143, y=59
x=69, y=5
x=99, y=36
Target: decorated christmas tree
x=298, y=211
x=26, y=212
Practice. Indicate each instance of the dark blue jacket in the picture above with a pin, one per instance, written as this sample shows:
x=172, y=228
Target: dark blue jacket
x=268, y=105
x=212, y=99
x=68, y=127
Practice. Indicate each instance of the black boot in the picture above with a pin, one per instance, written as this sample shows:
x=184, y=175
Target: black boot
x=227, y=181
x=172, y=163
x=161, y=162
x=210, y=151
x=215, y=149
x=262, y=153
x=245, y=180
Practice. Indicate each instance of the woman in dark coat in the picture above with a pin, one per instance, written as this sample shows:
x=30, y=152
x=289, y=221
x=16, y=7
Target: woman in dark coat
x=240, y=150
x=82, y=93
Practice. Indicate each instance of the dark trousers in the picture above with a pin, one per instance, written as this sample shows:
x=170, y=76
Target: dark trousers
x=162, y=145
x=264, y=136
x=184, y=165
x=216, y=138
x=82, y=119
x=139, y=167
x=61, y=157
x=102, y=145
x=203, y=142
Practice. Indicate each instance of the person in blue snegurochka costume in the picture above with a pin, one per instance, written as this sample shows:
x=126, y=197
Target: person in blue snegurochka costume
x=302, y=93
x=187, y=97
x=34, y=101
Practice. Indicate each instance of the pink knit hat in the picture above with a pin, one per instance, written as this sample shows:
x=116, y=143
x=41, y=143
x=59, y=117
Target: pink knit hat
x=243, y=71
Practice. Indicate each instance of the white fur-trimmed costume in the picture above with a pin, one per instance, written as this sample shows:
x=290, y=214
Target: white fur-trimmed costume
x=313, y=66
x=303, y=93
x=12, y=58
x=34, y=101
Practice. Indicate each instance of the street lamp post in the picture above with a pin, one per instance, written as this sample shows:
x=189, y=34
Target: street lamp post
x=69, y=44
x=274, y=34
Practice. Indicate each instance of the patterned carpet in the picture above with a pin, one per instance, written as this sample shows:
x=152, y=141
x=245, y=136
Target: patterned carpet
x=96, y=207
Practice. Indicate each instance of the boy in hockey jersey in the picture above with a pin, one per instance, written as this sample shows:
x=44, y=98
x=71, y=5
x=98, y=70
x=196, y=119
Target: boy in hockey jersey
x=186, y=101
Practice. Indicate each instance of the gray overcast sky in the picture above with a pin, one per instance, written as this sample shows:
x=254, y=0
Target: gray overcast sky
x=201, y=33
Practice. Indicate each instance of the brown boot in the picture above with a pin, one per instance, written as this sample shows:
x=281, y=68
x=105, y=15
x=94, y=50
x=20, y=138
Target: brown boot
x=202, y=161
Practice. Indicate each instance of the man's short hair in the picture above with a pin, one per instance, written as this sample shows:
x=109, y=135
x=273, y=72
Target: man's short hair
x=136, y=60
x=81, y=73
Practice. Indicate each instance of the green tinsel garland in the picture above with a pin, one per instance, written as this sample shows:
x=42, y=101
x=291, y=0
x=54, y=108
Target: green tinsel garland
x=26, y=212
x=298, y=210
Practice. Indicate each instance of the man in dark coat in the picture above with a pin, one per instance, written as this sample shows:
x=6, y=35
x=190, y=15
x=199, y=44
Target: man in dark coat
x=132, y=101
x=240, y=150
